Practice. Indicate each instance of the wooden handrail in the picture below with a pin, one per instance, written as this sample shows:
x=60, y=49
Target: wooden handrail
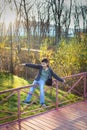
x=83, y=75
x=75, y=75
x=28, y=86
x=16, y=89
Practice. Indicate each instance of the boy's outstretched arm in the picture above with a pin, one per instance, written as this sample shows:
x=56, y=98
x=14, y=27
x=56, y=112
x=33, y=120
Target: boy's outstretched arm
x=36, y=66
x=57, y=77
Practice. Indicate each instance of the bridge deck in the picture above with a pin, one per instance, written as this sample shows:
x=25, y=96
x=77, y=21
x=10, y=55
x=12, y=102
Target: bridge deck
x=72, y=117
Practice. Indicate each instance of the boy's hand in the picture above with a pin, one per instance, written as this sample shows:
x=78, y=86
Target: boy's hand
x=64, y=81
x=23, y=64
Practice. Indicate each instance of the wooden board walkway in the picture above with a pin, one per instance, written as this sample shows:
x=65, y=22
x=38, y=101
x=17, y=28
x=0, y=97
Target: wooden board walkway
x=72, y=117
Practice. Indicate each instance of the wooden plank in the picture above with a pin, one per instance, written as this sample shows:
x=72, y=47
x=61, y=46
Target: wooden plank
x=67, y=124
x=32, y=125
x=16, y=127
x=57, y=125
x=7, y=128
x=38, y=124
x=26, y=127
x=49, y=125
x=72, y=117
x=55, y=118
x=61, y=119
x=13, y=126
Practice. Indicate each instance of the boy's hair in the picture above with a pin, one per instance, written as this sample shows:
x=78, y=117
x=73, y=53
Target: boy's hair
x=45, y=60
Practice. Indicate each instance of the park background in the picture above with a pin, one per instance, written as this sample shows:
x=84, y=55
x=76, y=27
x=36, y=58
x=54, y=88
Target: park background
x=31, y=30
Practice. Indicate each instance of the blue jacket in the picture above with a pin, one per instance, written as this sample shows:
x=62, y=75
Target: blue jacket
x=38, y=66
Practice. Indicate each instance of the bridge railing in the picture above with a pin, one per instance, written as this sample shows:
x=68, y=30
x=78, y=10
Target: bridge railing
x=13, y=109
x=12, y=106
x=73, y=90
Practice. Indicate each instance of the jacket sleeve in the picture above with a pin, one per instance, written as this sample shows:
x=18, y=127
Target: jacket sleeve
x=35, y=66
x=57, y=77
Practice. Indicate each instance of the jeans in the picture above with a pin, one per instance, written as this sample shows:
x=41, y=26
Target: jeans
x=41, y=84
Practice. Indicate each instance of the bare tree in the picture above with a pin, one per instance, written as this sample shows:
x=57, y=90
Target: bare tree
x=38, y=7
x=76, y=17
x=17, y=24
x=23, y=9
x=2, y=6
x=34, y=26
x=43, y=11
x=27, y=6
x=57, y=8
x=80, y=16
x=84, y=17
x=48, y=19
x=10, y=30
x=67, y=18
x=2, y=24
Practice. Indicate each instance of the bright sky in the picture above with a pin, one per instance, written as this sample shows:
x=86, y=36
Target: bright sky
x=9, y=15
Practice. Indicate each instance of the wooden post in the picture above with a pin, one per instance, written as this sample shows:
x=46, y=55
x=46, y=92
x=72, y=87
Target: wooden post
x=19, y=112
x=57, y=95
x=26, y=73
x=85, y=87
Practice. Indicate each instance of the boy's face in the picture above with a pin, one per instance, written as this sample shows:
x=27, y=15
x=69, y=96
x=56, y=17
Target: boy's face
x=44, y=65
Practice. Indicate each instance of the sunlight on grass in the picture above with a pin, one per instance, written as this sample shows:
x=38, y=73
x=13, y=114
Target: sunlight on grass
x=8, y=81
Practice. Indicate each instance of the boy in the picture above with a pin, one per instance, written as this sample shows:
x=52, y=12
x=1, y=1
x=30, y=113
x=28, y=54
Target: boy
x=45, y=73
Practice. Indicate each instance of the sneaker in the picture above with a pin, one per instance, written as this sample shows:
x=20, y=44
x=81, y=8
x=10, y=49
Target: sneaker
x=25, y=102
x=43, y=105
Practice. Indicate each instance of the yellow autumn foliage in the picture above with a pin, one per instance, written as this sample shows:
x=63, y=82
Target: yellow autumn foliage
x=68, y=58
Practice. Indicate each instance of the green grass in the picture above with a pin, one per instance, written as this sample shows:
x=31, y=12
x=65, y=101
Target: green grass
x=8, y=81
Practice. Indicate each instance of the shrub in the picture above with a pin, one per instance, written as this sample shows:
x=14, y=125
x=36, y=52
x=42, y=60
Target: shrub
x=68, y=58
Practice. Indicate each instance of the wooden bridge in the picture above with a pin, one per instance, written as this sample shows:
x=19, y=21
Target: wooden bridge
x=69, y=117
